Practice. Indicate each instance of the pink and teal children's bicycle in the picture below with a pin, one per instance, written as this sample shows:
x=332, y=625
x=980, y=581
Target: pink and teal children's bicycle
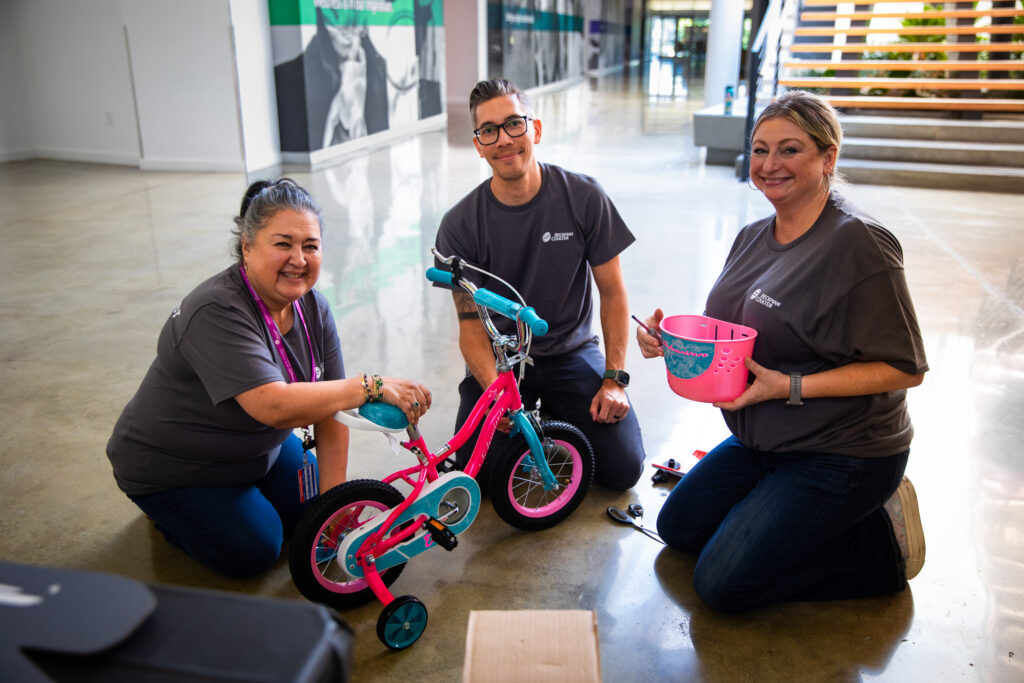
x=355, y=539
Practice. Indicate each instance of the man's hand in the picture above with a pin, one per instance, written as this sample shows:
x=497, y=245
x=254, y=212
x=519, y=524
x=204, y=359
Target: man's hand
x=609, y=404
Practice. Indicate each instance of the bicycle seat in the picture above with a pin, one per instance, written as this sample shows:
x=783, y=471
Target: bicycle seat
x=374, y=417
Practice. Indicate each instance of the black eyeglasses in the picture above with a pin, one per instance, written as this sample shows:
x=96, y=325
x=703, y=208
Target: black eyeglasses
x=514, y=127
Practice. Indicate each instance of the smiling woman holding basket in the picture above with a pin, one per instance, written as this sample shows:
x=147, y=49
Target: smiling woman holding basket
x=807, y=499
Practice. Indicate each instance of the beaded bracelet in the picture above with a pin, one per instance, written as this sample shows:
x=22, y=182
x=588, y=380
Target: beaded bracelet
x=373, y=387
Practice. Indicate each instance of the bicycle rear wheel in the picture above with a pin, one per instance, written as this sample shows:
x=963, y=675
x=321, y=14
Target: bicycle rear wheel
x=517, y=490
x=312, y=558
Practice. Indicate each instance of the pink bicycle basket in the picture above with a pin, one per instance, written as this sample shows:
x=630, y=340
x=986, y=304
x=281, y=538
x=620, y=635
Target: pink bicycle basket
x=704, y=357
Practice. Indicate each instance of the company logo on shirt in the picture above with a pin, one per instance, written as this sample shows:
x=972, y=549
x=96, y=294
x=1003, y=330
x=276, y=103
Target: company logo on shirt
x=176, y=312
x=556, y=236
x=763, y=299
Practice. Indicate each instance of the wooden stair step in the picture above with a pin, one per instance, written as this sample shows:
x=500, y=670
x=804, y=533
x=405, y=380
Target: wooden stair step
x=937, y=14
x=948, y=176
x=908, y=65
x=934, y=151
x=925, y=103
x=905, y=83
x=908, y=47
x=906, y=30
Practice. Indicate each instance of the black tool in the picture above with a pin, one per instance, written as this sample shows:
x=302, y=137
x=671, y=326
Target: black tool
x=621, y=517
x=654, y=333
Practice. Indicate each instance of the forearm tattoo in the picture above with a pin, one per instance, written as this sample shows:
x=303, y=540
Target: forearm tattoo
x=465, y=307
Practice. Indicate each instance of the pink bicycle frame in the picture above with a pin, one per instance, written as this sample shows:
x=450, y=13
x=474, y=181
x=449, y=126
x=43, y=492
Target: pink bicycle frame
x=503, y=393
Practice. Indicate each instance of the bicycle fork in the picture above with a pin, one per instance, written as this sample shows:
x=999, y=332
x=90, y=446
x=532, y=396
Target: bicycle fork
x=526, y=426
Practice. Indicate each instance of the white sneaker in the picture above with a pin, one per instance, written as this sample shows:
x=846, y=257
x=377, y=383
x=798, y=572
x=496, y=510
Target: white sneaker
x=906, y=524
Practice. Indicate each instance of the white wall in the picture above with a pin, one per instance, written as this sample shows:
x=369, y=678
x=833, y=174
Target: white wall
x=183, y=71
x=68, y=68
x=256, y=93
x=67, y=84
x=465, y=29
x=15, y=133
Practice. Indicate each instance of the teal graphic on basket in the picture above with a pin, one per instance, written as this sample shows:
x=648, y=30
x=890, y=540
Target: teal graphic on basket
x=704, y=357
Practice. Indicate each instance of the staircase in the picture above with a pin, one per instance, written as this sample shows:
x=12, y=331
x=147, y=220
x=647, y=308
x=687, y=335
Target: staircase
x=932, y=95
x=986, y=156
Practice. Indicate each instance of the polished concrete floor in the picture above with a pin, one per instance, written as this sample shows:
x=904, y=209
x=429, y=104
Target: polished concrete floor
x=95, y=257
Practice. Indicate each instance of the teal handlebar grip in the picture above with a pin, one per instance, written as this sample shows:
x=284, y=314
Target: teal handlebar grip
x=440, y=276
x=510, y=309
x=535, y=322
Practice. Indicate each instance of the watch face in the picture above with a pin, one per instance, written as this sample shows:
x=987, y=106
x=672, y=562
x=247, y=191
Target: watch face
x=621, y=377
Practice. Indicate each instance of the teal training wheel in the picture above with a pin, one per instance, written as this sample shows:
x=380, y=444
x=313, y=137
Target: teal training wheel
x=402, y=622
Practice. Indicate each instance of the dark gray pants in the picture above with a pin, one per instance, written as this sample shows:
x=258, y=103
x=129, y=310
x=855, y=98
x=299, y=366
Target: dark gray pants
x=565, y=385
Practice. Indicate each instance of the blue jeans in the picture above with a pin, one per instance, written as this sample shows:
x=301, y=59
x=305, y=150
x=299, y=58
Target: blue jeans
x=778, y=527
x=565, y=385
x=233, y=530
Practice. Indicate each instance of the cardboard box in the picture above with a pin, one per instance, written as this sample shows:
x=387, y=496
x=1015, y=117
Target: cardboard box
x=532, y=645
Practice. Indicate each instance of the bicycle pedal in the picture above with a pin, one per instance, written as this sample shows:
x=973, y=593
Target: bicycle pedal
x=441, y=534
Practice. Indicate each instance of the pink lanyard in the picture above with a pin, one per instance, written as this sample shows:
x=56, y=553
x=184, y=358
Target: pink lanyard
x=275, y=333
x=309, y=484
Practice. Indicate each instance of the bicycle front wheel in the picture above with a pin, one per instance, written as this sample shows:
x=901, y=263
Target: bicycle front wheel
x=316, y=569
x=517, y=490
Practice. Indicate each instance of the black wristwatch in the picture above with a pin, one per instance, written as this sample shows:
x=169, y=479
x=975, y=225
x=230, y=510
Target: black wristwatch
x=621, y=377
x=795, y=398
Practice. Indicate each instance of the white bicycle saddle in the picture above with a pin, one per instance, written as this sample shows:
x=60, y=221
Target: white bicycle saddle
x=374, y=417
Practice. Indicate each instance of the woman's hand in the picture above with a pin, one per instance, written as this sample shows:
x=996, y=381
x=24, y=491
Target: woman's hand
x=768, y=385
x=412, y=397
x=650, y=346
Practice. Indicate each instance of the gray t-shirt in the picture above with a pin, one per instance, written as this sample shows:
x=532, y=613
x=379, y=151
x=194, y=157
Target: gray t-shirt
x=835, y=296
x=183, y=426
x=544, y=248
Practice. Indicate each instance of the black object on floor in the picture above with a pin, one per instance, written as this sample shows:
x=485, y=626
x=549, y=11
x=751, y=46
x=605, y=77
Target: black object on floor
x=68, y=625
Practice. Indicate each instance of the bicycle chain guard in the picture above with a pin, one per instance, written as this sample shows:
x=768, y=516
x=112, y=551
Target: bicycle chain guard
x=453, y=499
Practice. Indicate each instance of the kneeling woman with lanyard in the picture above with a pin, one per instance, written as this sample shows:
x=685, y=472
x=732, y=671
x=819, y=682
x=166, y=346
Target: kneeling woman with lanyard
x=205, y=447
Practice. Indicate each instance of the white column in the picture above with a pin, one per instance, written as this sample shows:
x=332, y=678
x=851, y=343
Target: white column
x=722, y=67
x=465, y=38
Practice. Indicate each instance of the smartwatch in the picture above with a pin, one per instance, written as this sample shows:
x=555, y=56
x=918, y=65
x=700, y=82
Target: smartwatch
x=794, y=390
x=621, y=377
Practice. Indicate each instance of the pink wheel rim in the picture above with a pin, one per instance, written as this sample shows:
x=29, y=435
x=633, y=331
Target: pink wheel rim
x=526, y=483
x=330, y=534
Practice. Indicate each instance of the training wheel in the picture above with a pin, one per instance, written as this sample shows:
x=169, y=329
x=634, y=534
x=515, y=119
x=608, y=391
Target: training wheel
x=402, y=622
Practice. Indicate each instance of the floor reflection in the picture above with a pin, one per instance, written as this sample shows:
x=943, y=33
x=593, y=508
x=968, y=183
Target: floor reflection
x=96, y=256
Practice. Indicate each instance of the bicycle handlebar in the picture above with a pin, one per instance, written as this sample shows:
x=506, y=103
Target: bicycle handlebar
x=496, y=302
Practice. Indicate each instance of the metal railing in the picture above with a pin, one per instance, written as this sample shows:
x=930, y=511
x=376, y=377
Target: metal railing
x=768, y=51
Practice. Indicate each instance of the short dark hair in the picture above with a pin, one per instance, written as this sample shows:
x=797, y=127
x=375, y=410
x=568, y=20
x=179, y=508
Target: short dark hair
x=262, y=200
x=485, y=91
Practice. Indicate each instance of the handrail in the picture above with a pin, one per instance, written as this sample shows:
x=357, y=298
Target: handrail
x=768, y=51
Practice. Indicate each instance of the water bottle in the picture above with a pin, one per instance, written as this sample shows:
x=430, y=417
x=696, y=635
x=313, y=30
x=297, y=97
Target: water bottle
x=730, y=95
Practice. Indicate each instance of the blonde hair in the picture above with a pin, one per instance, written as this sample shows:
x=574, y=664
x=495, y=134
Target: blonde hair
x=813, y=115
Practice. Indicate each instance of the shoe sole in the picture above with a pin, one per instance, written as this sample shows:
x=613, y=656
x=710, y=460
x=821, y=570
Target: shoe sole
x=915, y=530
